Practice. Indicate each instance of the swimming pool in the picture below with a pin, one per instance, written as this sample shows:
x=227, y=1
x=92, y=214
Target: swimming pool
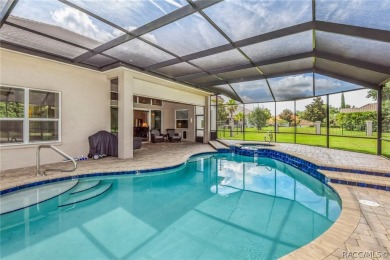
x=215, y=206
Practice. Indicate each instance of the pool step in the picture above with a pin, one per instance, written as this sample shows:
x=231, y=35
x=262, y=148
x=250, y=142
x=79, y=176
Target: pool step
x=218, y=145
x=356, y=179
x=25, y=198
x=84, y=185
x=86, y=194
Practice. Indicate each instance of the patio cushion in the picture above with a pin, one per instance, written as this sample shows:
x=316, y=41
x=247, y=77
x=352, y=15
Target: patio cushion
x=156, y=136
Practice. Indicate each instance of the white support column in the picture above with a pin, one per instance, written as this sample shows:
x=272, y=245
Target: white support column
x=317, y=126
x=369, y=128
x=125, y=115
x=206, y=131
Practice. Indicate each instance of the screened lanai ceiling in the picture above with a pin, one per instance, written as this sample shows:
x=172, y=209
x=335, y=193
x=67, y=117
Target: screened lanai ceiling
x=251, y=51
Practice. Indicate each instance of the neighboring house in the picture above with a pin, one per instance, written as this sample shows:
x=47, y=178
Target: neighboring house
x=280, y=122
x=303, y=122
x=372, y=107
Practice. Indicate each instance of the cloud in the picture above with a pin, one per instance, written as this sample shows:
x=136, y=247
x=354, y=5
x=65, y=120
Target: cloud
x=187, y=35
x=325, y=85
x=333, y=10
x=243, y=19
x=292, y=87
x=156, y=4
x=372, y=14
x=139, y=53
x=176, y=4
x=80, y=23
x=253, y=91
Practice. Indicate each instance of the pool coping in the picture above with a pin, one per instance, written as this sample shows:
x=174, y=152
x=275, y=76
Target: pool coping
x=320, y=248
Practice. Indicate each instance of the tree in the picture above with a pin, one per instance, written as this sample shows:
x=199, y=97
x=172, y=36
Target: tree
x=386, y=107
x=355, y=121
x=385, y=93
x=315, y=111
x=385, y=104
x=222, y=113
x=342, y=101
x=231, y=107
x=259, y=117
x=300, y=113
x=287, y=115
x=372, y=94
x=11, y=109
x=239, y=117
x=333, y=112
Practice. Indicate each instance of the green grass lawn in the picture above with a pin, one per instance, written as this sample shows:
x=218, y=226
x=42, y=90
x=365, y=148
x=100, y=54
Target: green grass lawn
x=286, y=135
x=311, y=130
x=386, y=148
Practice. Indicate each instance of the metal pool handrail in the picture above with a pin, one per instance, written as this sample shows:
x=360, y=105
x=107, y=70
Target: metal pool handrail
x=57, y=151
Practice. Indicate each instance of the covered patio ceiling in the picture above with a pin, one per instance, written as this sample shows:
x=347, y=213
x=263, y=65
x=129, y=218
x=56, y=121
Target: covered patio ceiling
x=251, y=51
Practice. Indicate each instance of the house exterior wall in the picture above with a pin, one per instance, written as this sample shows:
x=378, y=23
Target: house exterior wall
x=84, y=106
x=85, y=103
x=169, y=119
x=148, y=88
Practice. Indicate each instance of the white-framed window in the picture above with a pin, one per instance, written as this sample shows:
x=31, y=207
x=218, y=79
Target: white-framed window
x=29, y=115
x=181, y=118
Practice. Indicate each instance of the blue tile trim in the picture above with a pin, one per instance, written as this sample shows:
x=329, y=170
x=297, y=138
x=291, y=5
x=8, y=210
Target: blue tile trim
x=81, y=176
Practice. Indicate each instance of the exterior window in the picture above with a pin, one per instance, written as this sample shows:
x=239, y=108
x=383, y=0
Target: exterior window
x=114, y=92
x=43, y=131
x=114, y=106
x=135, y=99
x=114, y=120
x=11, y=103
x=182, y=118
x=199, y=115
x=11, y=131
x=114, y=96
x=44, y=113
x=39, y=123
x=156, y=102
x=144, y=100
x=11, y=114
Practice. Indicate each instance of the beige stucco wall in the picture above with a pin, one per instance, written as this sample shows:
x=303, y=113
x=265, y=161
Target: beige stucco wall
x=147, y=88
x=85, y=104
x=169, y=119
x=153, y=87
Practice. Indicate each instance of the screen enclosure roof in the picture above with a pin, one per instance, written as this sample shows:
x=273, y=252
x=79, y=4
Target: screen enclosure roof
x=249, y=50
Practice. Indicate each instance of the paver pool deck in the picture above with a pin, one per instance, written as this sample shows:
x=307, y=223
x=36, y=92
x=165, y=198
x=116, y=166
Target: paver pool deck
x=360, y=232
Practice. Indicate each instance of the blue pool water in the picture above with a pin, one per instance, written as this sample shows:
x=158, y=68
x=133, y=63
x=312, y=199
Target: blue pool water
x=217, y=206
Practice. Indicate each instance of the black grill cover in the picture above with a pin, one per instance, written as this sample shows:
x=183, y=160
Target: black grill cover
x=103, y=142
